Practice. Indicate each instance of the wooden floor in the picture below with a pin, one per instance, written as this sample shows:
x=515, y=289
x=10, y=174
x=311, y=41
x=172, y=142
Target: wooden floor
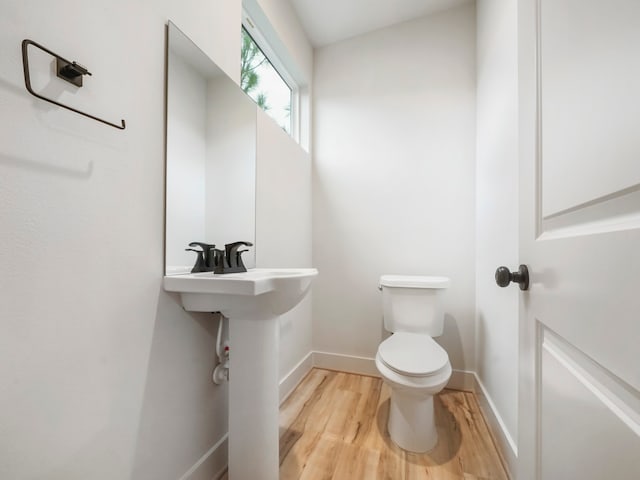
x=334, y=426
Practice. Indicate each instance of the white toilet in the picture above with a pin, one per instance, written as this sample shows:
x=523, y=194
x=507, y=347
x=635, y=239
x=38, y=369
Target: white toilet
x=410, y=361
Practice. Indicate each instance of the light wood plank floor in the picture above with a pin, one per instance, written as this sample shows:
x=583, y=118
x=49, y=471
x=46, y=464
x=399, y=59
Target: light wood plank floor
x=334, y=426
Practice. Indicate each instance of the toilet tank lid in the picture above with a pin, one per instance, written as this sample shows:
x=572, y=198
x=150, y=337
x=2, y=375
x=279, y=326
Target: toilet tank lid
x=413, y=281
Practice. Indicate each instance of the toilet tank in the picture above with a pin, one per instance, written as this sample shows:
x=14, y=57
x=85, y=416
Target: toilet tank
x=413, y=303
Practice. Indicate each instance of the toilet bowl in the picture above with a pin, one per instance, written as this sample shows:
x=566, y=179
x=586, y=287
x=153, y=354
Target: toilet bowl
x=413, y=384
x=413, y=365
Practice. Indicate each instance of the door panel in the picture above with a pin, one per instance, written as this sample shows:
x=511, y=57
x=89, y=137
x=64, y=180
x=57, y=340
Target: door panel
x=589, y=75
x=579, y=398
x=587, y=415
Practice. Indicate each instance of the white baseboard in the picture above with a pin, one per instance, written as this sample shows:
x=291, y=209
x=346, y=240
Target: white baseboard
x=345, y=363
x=212, y=464
x=291, y=380
x=506, y=444
x=462, y=380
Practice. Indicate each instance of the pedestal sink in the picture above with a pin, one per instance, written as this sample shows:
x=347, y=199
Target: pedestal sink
x=252, y=301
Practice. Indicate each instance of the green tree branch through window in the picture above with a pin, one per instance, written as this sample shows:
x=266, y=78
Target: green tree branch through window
x=261, y=81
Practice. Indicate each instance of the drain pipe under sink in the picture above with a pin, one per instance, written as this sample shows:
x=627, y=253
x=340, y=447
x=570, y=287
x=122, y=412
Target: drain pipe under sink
x=221, y=371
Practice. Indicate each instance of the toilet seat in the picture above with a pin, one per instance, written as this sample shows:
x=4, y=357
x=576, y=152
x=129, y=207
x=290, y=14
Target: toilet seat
x=413, y=354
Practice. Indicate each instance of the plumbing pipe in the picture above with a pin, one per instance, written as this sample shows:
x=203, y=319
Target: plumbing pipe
x=221, y=370
x=219, y=339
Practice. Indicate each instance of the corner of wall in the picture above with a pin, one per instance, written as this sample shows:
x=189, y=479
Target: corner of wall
x=505, y=443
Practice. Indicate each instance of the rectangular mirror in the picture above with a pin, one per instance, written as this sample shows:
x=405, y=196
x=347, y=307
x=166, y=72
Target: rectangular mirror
x=210, y=156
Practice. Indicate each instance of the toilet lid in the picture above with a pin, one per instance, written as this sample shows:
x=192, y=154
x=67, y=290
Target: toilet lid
x=413, y=354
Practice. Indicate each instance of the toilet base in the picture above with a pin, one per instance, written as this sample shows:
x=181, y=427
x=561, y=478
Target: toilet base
x=412, y=422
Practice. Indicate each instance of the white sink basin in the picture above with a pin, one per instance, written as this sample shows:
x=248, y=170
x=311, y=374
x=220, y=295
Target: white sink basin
x=267, y=290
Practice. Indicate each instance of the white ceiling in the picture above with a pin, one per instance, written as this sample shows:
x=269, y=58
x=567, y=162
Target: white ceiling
x=329, y=21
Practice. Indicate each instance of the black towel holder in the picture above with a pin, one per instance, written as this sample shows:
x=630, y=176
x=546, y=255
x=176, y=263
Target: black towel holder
x=71, y=72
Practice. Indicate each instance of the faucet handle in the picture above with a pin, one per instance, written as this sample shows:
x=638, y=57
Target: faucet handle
x=238, y=244
x=230, y=250
x=232, y=247
x=200, y=265
x=204, y=246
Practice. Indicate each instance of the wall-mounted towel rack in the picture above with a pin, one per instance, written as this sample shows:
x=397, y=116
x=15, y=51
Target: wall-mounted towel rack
x=72, y=72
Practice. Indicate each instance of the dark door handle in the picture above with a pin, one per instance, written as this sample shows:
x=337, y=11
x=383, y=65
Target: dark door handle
x=504, y=277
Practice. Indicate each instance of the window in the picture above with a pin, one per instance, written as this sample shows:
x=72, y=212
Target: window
x=264, y=84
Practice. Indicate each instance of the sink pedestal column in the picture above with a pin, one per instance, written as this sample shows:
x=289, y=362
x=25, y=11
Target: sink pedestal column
x=253, y=397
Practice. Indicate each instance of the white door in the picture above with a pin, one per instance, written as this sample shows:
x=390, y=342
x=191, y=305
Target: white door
x=579, y=407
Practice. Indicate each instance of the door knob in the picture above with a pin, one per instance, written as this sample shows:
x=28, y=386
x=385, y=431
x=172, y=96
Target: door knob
x=504, y=277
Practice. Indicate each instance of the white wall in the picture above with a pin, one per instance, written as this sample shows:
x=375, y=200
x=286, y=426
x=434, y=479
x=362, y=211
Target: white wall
x=497, y=207
x=394, y=177
x=283, y=234
x=104, y=375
